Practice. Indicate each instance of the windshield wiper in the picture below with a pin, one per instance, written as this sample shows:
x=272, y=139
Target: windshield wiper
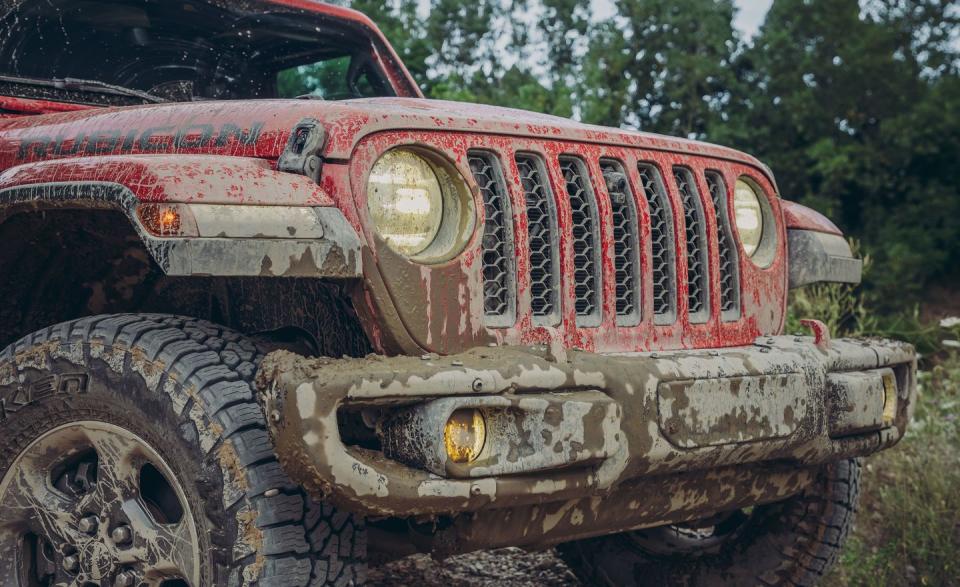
x=70, y=83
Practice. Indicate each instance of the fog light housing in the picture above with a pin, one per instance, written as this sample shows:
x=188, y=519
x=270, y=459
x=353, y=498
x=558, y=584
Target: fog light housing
x=464, y=435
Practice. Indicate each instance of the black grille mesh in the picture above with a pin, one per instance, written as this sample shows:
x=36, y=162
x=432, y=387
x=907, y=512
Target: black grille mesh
x=694, y=224
x=586, y=263
x=497, y=255
x=542, y=231
x=661, y=236
x=625, y=242
x=729, y=274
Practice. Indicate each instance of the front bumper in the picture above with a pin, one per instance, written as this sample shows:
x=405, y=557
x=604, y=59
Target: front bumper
x=585, y=444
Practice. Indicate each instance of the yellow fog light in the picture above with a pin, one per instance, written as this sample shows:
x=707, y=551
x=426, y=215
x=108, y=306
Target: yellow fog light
x=889, y=399
x=464, y=435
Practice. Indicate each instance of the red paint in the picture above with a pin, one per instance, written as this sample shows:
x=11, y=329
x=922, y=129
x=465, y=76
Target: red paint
x=30, y=106
x=346, y=122
x=821, y=333
x=165, y=178
x=803, y=218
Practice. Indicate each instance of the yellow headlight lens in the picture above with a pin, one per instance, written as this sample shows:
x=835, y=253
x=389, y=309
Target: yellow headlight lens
x=749, y=216
x=464, y=435
x=405, y=201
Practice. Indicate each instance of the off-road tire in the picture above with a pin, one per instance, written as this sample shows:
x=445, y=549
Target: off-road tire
x=790, y=543
x=186, y=387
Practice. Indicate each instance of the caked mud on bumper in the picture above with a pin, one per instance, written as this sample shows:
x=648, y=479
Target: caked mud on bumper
x=583, y=444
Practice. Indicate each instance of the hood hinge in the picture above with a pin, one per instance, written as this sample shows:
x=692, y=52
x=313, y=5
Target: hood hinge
x=302, y=154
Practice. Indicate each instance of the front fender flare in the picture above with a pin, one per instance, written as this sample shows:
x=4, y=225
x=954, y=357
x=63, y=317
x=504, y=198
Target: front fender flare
x=292, y=230
x=818, y=251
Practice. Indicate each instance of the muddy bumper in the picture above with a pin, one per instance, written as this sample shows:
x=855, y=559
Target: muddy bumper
x=584, y=443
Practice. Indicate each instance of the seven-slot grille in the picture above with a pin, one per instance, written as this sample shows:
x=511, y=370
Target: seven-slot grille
x=625, y=248
x=499, y=279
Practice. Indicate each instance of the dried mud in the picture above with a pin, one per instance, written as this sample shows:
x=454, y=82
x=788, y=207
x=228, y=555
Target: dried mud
x=505, y=567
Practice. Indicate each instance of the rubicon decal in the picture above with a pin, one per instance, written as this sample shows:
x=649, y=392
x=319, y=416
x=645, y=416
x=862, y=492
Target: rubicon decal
x=147, y=140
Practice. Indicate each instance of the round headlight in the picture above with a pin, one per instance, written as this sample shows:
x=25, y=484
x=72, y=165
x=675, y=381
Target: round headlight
x=749, y=216
x=405, y=200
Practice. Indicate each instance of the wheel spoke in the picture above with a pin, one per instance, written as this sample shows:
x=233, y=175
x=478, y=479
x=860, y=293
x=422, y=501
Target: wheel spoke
x=163, y=550
x=29, y=502
x=117, y=467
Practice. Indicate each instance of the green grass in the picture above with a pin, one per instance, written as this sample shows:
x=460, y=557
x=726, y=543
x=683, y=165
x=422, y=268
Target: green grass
x=908, y=528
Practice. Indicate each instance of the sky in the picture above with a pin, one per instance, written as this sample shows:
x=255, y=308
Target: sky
x=751, y=15
x=749, y=18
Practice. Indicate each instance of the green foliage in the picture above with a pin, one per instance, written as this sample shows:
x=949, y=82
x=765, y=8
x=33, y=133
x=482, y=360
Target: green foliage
x=842, y=307
x=855, y=122
x=851, y=311
x=657, y=68
x=327, y=79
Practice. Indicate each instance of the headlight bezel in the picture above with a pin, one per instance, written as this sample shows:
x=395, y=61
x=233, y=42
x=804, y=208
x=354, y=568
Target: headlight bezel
x=458, y=212
x=765, y=252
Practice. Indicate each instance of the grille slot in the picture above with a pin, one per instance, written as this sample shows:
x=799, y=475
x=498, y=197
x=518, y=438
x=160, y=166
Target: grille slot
x=499, y=274
x=663, y=255
x=697, y=263
x=729, y=266
x=626, y=255
x=586, y=241
x=542, y=235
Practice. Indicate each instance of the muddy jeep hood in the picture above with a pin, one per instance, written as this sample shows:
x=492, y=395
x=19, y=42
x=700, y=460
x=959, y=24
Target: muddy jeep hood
x=379, y=114
x=168, y=128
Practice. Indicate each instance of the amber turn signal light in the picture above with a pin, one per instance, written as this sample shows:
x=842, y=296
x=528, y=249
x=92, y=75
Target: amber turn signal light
x=167, y=220
x=464, y=435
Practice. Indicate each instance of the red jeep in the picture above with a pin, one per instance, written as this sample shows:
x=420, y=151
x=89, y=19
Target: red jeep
x=270, y=313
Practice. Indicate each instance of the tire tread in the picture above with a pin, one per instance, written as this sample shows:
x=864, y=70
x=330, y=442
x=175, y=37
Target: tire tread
x=218, y=365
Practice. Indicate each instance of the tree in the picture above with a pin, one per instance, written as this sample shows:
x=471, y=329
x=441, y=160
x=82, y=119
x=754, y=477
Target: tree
x=662, y=65
x=843, y=105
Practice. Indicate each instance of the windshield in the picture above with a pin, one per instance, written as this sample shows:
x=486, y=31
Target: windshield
x=190, y=49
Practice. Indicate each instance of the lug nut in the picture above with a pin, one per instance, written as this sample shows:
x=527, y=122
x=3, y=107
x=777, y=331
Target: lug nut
x=125, y=579
x=121, y=534
x=71, y=563
x=88, y=525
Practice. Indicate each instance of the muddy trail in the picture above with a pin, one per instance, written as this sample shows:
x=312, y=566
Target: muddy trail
x=506, y=567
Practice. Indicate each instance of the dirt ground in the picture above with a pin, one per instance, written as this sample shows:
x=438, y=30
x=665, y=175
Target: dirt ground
x=507, y=567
